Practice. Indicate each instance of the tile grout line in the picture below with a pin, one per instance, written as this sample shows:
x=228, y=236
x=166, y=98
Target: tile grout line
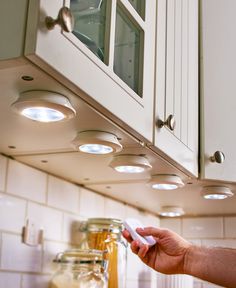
x=0, y=250
x=47, y=186
x=223, y=223
x=6, y=175
x=79, y=199
x=21, y=280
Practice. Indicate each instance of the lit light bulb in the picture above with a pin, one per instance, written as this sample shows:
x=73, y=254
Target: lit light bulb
x=95, y=149
x=129, y=169
x=43, y=114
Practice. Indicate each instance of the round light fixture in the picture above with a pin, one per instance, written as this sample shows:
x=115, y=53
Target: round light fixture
x=44, y=106
x=96, y=142
x=171, y=211
x=216, y=192
x=127, y=163
x=166, y=182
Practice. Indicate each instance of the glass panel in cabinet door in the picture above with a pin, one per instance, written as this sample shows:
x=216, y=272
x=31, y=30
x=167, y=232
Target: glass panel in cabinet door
x=90, y=24
x=128, y=54
x=139, y=6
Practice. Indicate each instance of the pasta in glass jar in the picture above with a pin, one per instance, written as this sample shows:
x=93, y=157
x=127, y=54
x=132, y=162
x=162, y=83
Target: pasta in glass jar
x=80, y=269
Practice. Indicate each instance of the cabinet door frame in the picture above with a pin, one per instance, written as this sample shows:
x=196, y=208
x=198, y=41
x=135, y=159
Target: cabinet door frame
x=184, y=153
x=130, y=110
x=218, y=102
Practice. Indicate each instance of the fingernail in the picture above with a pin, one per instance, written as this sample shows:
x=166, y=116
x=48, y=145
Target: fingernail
x=140, y=229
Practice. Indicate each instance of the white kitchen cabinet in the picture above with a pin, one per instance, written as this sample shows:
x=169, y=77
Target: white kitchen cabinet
x=218, y=89
x=177, y=82
x=108, y=59
x=113, y=69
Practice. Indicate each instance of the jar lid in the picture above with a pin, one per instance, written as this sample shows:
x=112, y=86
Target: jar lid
x=110, y=224
x=80, y=256
x=109, y=221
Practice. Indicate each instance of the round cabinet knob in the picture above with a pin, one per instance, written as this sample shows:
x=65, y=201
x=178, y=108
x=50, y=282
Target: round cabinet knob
x=169, y=123
x=65, y=19
x=218, y=157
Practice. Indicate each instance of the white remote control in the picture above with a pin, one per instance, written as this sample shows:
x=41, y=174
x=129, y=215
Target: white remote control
x=131, y=224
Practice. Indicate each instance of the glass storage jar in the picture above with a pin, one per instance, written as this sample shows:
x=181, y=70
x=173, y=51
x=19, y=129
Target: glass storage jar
x=105, y=234
x=80, y=269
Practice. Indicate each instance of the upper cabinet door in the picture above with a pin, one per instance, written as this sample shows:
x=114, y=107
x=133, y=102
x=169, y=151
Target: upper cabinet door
x=176, y=130
x=218, y=90
x=107, y=57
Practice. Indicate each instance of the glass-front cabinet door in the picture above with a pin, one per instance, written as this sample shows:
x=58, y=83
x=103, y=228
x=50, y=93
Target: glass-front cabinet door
x=90, y=24
x=128, y=53
x=102, y=49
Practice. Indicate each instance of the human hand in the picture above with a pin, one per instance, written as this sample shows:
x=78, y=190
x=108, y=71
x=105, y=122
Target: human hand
x=167, y=256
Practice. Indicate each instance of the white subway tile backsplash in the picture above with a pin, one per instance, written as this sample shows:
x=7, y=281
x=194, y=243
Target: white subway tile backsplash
x=0, y=248
x=17, y=256
x=70, y=204
x=138, y=283
x=230, y=227
x=63, y=195
x=26, y=182
x=203, y=227
x=146, y=273
x=91, y=204
x=135, y=267
x=196, y=242
x=197, y=285
x=145, y=218
x=154, y=279
x=71, y=233
x=47, y=218
x=150, y=220
x=178, y=281
x=132, y=283
x=3, y=169
x=12, y=213
x=51, y=249
x=163, y=281
x=35, y=281
x=114, y=209
x=160, y=281
x=228, y=243
x=143, y=279
x=131, y=212
x=209, y=285
x=10, y=280
x=172, y=224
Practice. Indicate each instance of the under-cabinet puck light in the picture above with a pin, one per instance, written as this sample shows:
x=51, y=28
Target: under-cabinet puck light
x=96, y=142
x=166, y=182
x=216, y=192
x=171, y=211
x=44, y=106
x=130, y=163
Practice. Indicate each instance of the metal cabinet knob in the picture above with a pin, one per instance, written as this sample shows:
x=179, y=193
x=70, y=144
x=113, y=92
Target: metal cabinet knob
x=218, y=157
x=170, y=122
x=64, y=19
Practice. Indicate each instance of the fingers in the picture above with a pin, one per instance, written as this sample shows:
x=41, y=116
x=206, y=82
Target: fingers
x=143, y=251
x=139, y=248
x=135, y=247
x=151, y=231
x=147, y=231
x=127, y=236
